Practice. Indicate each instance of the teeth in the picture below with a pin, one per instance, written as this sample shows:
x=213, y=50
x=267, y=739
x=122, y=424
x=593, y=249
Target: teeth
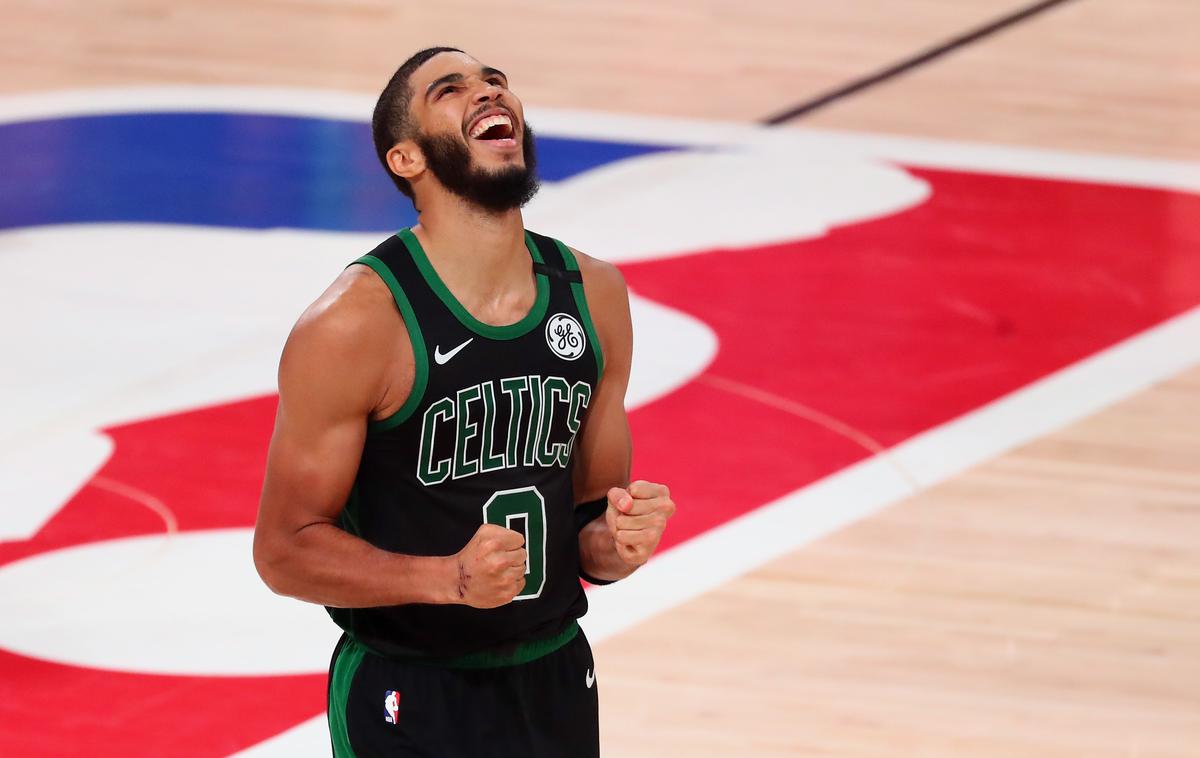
x=488, y=123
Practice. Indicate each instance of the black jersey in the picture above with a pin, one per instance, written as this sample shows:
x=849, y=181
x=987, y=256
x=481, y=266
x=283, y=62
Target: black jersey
x=486, y=435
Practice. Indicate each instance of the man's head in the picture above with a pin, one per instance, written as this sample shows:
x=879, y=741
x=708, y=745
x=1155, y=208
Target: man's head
x=447, y=116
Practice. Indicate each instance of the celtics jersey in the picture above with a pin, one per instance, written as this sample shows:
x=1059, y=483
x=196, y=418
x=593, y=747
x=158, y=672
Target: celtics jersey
x=486, y=435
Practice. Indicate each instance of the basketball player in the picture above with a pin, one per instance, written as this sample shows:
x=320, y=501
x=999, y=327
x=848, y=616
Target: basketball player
x=451, y=452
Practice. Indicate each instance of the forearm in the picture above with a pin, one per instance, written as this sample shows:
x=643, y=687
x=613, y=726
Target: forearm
x=324, y=564
x=598, y=555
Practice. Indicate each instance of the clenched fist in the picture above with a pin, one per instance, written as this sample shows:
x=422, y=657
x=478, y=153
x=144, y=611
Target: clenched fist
x=491, y=567
x=636, y=518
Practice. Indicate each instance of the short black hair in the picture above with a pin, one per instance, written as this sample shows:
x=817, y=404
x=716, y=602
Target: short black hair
x=390, y=123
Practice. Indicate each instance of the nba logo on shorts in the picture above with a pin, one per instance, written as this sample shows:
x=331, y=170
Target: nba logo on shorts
x=391, y=707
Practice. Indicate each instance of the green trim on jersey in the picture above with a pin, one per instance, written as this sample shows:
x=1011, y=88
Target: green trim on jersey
x=344, y=668
x=581, y=303
x=506, y=332
x=420, y=355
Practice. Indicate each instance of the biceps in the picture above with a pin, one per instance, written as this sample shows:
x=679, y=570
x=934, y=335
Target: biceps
x=311, y=466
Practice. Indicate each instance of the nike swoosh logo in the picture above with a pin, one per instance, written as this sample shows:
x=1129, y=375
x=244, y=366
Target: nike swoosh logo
x=590, y=679
x=441, y=357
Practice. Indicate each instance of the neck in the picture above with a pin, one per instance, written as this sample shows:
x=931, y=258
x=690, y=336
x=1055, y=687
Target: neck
x=483, y=252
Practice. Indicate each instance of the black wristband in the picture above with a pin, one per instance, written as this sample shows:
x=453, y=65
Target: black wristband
x=586, y=513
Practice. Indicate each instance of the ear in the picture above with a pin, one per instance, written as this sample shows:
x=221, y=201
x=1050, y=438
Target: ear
x=405, y=159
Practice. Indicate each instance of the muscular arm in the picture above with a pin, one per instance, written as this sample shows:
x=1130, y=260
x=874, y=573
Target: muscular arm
x=337, y=369
x=332, y=374
x=604, y=448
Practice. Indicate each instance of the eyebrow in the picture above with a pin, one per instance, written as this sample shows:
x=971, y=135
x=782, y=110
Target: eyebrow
x=448, y=78
x=440, y=81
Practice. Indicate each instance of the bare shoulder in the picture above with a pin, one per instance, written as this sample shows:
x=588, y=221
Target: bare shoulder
x=346, y=315
x=608, y=302
x=346, y=339
x=603, y=282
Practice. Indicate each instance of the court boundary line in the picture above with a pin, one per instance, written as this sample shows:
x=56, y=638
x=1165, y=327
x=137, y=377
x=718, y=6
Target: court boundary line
x=798, y=518
x=854, y=86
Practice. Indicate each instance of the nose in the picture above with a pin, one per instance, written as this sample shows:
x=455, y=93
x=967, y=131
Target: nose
x=487, y=92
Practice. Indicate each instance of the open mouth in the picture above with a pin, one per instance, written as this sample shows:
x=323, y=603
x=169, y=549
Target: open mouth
x=496, y=129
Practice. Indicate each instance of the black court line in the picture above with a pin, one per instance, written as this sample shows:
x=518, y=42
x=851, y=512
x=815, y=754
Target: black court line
x=820, y=101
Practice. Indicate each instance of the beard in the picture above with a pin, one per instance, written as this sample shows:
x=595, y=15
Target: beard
x=511, y=187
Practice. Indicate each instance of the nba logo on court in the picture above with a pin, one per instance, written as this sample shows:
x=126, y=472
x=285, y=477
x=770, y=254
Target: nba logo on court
x=967, y=270
x=391, y=707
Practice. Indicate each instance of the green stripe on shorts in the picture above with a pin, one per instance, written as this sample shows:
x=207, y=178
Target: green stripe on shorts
x=344, y=669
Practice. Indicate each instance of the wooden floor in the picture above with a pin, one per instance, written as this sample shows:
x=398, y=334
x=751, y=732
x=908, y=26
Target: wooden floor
x=1043, y=604
x=1046, y=603
x=1103, y=75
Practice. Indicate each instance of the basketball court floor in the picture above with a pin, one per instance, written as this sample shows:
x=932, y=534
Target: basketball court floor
x=916, y=292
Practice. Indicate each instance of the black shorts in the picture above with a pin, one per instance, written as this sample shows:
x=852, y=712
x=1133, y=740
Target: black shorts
x=542, y=708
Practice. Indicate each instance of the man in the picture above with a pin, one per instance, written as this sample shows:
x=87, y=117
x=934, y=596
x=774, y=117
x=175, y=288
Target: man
x=451, y=451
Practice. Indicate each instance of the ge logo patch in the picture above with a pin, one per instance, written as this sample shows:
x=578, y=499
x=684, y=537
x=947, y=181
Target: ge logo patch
x=565, y=337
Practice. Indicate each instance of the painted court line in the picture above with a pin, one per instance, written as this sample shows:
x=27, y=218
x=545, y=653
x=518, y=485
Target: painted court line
x=742, y=544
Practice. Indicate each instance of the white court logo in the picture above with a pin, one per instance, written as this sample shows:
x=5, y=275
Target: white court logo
x=565, y=337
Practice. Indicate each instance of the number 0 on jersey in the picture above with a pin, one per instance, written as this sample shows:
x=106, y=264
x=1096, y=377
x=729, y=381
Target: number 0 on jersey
x=523, y=510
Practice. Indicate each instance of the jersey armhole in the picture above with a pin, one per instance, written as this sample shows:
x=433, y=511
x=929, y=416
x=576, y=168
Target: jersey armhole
x=420, y=356
x=581, y=303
